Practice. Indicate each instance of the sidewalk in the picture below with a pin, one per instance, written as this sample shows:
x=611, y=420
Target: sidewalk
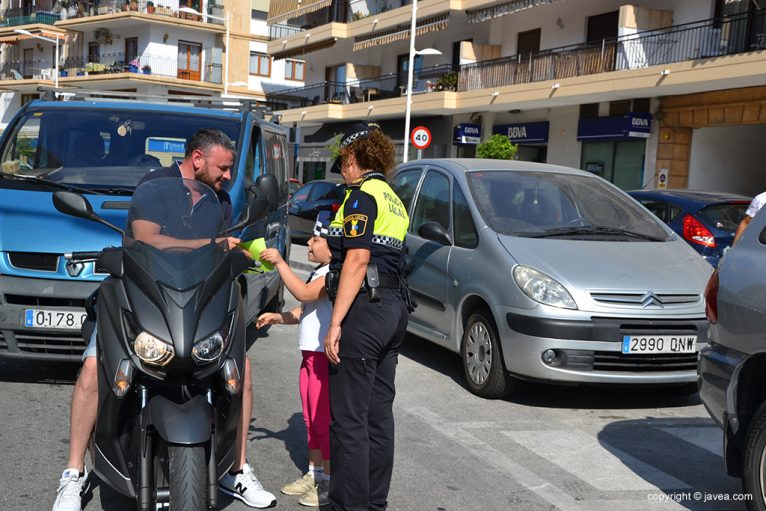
x=299, y=258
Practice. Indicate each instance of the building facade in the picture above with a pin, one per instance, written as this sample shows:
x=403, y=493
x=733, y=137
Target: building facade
x=177, y=47
x=621, y=89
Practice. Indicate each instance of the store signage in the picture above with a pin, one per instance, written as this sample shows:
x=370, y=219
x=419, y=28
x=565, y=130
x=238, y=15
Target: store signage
x=624, y=127
x=466, y=134
x=524, y=133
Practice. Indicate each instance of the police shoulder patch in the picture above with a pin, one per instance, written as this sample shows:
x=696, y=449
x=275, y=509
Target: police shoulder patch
x=354, y=226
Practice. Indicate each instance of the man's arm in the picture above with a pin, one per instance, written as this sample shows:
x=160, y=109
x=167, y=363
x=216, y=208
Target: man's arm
x=149, y=233
x=741, y=228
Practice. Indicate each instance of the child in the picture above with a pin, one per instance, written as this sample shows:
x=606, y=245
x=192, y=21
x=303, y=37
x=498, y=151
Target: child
x=314, y=315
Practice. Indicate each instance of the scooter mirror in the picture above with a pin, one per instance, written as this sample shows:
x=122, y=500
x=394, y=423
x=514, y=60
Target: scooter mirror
x=73, y=204
x=268, y=183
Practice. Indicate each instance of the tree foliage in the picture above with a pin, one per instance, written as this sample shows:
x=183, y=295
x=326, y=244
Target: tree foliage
x=498, y=147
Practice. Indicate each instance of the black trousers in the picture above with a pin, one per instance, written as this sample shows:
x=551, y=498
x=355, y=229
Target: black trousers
x=361, y=403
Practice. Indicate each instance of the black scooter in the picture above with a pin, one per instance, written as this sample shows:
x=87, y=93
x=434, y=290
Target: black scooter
x=171, y=345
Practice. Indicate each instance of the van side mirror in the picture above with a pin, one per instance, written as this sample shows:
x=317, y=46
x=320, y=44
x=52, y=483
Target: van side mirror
x=434, y=231
x=256, y=210
x=74, y=204
x=268, y=183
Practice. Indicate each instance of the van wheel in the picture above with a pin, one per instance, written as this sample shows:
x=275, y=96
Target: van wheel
x=483, y=360
x=754, y=461
x=188, y=478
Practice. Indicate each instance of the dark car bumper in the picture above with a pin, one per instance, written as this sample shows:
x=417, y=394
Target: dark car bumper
x=718, y=369
x=19, y=294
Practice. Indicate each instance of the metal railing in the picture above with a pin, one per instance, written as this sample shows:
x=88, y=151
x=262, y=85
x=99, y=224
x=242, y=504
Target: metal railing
x=42, y=12
x=386, y=86
x=703, y=39
x=281, y=31
x=113, y=63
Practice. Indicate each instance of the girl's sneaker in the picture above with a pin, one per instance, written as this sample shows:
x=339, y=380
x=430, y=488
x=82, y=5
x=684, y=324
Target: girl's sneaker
x=300, y=486
x=318, y=496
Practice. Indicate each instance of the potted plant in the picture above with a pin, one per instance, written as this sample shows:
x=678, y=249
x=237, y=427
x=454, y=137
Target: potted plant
x=447, y=81
x=133, y=5
x=150, y=7
x=63, y=11
x=147, y=70
x=126, y=5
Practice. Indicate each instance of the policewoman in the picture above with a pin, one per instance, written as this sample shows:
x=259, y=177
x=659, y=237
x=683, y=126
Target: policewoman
x=369, y=320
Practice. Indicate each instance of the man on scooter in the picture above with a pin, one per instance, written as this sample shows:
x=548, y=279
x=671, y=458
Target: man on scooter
x=208, y=158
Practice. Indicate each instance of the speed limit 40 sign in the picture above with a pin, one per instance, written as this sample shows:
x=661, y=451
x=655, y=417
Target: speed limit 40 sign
x=420, y=137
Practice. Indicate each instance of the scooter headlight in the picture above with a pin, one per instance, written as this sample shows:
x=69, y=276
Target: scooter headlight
x=208, y=349
x=152, y=350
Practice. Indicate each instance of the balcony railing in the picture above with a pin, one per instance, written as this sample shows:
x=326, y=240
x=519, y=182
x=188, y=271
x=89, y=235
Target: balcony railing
x=391, y=85
x=113, y=63
x=703, y=39
x=44, y=11
x=691, y=41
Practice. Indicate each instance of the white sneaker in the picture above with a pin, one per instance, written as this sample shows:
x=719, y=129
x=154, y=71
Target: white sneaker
x=245, y=487
x=71, y=488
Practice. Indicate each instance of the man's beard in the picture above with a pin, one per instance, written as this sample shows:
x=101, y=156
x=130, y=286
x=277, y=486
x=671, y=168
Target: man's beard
x=203, y=176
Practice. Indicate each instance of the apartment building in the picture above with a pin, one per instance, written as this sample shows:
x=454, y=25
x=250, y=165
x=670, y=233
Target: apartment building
x=625, y=90
x=176, y=47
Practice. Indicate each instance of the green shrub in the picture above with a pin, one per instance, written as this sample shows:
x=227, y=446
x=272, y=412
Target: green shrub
x=498, y=147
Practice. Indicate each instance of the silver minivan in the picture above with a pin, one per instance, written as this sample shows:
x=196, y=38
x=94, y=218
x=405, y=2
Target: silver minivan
x=548, y=273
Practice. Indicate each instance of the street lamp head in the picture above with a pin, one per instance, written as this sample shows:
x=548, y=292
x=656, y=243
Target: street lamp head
x=22, y=31
x=428, y=51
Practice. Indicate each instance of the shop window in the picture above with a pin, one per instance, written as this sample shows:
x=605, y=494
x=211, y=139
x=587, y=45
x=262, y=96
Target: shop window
x=260, y=64
x=642, y=105
x=589, y=111
x=618, y=108
x=294, y=69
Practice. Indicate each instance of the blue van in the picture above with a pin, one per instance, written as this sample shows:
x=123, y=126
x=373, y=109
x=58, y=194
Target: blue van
x=102, y=148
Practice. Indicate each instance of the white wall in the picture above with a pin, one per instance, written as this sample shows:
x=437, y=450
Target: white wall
x=729, y=159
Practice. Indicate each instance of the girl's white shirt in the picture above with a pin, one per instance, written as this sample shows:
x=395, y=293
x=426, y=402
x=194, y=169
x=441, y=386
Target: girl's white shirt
x=315, y=318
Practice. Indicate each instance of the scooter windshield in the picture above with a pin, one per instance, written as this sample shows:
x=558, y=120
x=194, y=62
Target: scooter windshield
x=172, y=227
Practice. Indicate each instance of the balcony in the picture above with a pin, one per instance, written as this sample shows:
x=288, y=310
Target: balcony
x=81, y=10
x=41, y=13
x=698, y=40
x=145, y=66
x=392, y=85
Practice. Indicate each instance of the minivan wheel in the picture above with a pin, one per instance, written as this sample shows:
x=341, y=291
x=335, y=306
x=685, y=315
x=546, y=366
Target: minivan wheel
x=754, y=461
x=483, y=360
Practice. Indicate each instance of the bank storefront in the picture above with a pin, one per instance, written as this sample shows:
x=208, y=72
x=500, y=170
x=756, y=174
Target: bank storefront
x=466, y=136
x=615, y=147
x=531, y=137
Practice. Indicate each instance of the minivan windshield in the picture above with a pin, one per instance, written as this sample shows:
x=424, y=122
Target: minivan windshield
x=98, y=149
x=556, y=205
x=171, y=231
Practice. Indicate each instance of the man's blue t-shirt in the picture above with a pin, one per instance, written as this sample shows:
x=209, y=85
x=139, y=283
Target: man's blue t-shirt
x=171, y=207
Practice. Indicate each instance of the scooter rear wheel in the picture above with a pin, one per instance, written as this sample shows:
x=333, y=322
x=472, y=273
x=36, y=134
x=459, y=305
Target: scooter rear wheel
x=188, y=477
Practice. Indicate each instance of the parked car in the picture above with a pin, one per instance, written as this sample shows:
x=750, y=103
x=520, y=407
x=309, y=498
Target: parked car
x=308, y=201
x=548, y=273
x=294, y=184
x=706, y=220
x=732, y=366
x=102, y=149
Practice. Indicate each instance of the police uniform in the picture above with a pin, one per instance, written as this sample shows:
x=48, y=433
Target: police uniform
x=362, y=386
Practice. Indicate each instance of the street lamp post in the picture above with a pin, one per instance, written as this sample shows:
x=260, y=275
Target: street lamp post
x=48, y=39
x=225, y=20
x=410, y=73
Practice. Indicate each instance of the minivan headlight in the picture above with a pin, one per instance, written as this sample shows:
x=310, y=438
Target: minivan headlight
x=208, y=349
x=153, y=350
x=542, y=288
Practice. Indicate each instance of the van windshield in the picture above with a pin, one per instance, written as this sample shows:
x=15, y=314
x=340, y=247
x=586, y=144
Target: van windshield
x=98, y=149
x=553, y=205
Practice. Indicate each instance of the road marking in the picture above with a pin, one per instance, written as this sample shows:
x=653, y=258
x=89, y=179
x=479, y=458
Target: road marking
x=705, y=437
x=583, y=456
x=488, y=454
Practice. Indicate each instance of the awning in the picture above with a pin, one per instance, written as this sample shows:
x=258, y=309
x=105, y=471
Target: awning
x=495, y=11
x=303, y=50
x=401, y=32
x=283, y=10
x=15, y=38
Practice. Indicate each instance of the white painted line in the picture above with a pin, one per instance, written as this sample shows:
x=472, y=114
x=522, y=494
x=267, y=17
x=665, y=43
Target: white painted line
x=709, y=438
x=586, y=458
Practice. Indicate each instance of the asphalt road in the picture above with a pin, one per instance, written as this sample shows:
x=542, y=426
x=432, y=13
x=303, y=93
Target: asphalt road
x=544, y=448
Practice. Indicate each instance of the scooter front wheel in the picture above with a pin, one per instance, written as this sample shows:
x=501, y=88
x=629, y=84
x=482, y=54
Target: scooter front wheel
x=188, y=477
